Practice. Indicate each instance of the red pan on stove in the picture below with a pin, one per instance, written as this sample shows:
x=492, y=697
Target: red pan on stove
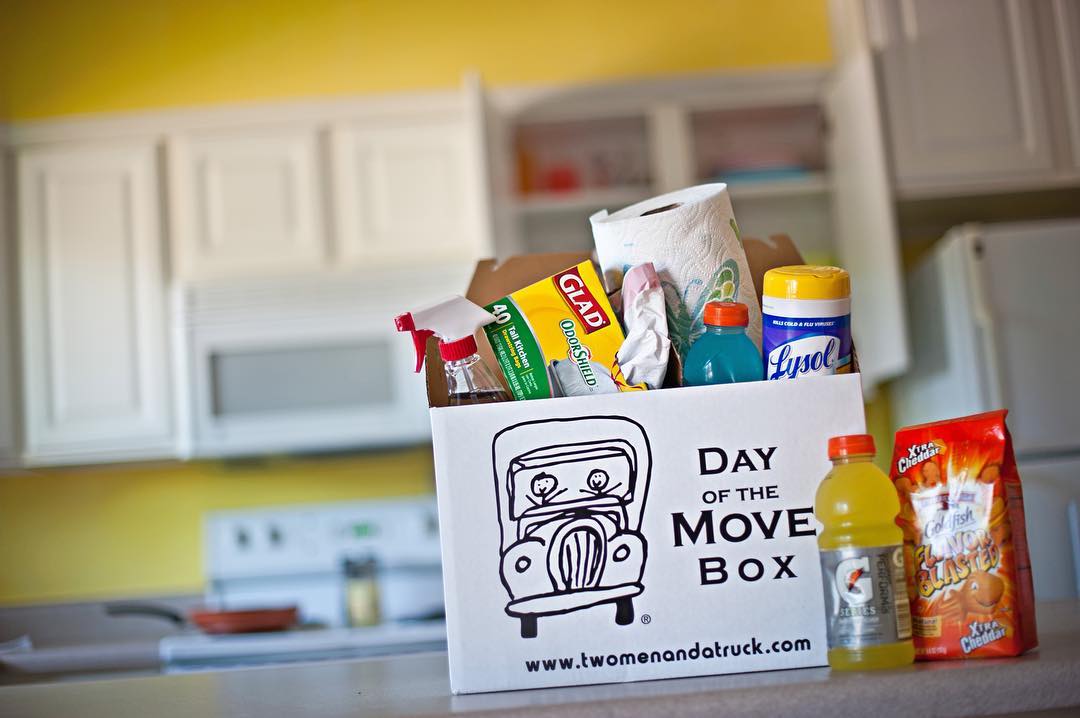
x=259, y=620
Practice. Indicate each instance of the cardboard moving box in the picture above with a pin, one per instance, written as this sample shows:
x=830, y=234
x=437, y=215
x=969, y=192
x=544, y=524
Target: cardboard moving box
x=633, y=536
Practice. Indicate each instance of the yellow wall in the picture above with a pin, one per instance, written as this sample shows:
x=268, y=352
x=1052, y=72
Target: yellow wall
x=879, y=423
x=107, y=531
x=128, y=530
x=61, y=56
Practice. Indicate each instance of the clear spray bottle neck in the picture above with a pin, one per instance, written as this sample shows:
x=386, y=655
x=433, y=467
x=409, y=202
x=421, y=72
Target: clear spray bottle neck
x=471, y=377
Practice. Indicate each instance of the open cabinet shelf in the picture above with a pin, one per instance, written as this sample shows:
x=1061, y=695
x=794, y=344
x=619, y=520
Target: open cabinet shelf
x=809, y=184
x=812, y=183
x=580, y=200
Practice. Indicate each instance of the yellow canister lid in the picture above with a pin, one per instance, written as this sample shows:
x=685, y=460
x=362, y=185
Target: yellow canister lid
x=807, y=281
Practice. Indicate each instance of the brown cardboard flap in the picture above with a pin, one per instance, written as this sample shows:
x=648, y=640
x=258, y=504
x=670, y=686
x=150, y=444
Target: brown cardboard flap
x=493, y=280
x=765, y=254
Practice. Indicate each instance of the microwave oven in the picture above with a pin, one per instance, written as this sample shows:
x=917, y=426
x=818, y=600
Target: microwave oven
x=277, y=365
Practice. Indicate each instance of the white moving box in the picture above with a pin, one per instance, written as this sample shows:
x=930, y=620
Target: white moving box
x=633, y=536
x=636, y=536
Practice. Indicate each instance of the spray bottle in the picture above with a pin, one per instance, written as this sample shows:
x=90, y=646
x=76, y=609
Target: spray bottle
x=468, y=378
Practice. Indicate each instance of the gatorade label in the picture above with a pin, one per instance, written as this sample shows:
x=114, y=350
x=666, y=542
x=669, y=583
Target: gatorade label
x=805, y=346
x=866, y=601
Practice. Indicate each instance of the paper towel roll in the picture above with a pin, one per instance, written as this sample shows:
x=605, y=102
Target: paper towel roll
x=692, y=239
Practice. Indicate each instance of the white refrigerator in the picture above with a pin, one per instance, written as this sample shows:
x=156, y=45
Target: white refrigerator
x=994, y=314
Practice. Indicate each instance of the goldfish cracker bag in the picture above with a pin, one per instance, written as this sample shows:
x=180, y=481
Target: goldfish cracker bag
x=965, y=548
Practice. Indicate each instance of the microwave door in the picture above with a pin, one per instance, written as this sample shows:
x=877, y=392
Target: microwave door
x=298, y=386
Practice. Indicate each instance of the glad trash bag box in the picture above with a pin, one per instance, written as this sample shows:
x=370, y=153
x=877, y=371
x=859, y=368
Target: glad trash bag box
x=638, y=535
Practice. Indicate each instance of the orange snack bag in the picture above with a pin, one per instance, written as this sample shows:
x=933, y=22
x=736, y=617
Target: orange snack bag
x=965, y=544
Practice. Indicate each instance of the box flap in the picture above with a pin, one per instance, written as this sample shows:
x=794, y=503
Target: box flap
x=765, y=254
x=492, y=280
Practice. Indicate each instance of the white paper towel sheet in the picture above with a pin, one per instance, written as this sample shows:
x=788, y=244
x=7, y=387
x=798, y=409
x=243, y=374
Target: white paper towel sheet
x=644, y=353
x=692, y=239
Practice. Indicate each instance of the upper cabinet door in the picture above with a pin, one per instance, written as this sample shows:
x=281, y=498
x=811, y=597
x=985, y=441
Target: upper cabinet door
x=489, y=145
x=963, y=91
x=863, y=211
x=246, y=202
x=1066, y=19
x=409, y=189
x=95, y=359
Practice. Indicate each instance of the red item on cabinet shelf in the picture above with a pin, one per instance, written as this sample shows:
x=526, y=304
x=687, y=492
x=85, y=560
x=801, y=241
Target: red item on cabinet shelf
x=562, y=178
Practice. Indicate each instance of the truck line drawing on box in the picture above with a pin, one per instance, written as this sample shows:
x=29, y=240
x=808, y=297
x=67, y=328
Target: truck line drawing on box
x=571, y=495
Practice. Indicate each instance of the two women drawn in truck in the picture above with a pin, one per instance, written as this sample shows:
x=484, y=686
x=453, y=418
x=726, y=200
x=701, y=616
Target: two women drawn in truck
x=570, y=495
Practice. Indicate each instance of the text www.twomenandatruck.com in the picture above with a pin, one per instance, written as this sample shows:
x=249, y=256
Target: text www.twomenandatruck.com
x=697, y=652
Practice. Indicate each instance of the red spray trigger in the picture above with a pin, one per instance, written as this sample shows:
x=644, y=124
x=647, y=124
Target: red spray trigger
x=450, y=320
x=404, y=323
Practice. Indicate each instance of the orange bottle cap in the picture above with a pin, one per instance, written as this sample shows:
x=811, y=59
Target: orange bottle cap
x=851, y=445
x=726, y=314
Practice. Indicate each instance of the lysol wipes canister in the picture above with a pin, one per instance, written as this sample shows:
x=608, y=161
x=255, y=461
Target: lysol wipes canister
x=806, y=321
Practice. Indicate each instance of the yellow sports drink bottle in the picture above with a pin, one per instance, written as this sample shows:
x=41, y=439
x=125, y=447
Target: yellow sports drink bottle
x=867, y=615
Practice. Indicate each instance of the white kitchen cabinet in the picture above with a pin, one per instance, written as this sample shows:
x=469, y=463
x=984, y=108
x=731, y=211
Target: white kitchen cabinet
x=486, y=128
x=246, y=201
x=963, y=91
x=96, y=383
x=1065, y=18
x=409, y=189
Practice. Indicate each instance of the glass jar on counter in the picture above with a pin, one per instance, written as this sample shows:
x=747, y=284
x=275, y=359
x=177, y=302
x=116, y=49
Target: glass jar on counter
x=361, y=591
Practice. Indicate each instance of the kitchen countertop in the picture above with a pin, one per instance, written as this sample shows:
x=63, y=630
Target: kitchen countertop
x=197, y=651
x=418, y=685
